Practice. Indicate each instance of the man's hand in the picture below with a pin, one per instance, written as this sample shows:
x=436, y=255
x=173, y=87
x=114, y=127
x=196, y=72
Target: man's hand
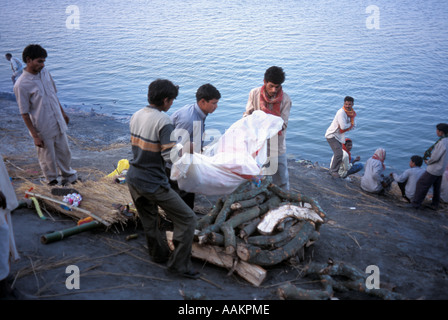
x=38, y=142
x=2, y=200
x=66, y=118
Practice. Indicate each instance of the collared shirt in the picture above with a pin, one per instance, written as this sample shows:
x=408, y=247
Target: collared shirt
x=151, y=146
x=438, y=161
x=192, y=119
x=410, y=176
x=37, y=96
x=345, y=166
x=253, y=103
x=340, y=121
x=16, y=66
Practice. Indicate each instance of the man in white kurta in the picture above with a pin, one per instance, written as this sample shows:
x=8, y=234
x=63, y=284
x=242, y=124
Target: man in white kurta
x=8, y=202
x=16, y=67
x=44, y=117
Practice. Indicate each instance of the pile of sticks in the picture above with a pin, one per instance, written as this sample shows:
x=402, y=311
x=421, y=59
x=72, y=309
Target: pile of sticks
x=335, y=277
x=257, y=227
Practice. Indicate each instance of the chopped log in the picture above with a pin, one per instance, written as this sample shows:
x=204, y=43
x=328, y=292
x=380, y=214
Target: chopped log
x=223, y=214
x=348, y=278
x=259, y=199
x=256, y=255
x=291, y=292
x=273, y=202
x=273, y=217
x=249, y=229
x=212, y=238
x=288, y=233
x=297, y=197
x=209, y=218
x=252, y=273
x=228, y=227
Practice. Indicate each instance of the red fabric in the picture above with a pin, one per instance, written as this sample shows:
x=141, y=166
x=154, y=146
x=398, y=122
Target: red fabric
x=345, y=148
x=266, y=101
x=380, y=154
x=351, y=114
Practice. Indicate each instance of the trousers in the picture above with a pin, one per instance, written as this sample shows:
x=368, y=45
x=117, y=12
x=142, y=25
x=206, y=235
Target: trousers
x=56, y=155
x=183, y=218
x=425, y=182
x=336, y=146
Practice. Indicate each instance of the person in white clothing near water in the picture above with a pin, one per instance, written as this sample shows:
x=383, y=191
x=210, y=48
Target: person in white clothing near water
x=16, y=67
x=343, y=121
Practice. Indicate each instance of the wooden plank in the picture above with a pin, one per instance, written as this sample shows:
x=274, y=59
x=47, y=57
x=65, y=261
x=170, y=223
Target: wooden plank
x=216, y=255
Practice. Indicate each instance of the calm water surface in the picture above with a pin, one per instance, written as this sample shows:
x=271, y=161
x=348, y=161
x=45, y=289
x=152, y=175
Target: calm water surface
x=396, y=73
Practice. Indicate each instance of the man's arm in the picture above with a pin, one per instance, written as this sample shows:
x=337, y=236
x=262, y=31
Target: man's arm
x=38, y=142
x=436, y=154
x=285, y=113
x=250, y=106
x=64, y=115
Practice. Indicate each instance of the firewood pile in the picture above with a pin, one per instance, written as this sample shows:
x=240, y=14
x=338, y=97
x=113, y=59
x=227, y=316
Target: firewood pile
x=256, y=227
x=335, y=278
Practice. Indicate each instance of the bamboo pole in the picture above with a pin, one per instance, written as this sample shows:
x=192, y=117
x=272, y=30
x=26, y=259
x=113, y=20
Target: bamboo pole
x=59, y=235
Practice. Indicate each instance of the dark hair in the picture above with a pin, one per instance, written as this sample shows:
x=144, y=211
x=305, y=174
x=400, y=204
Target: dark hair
x=348, y=98
x=443, y=127
x=207, y=92
x=33, y=51
x=160, y=89
x=418, y=161
x=275, y=75
x=8, y=55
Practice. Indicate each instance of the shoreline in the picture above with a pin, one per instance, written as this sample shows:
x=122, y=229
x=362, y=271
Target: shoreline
x=362, y=230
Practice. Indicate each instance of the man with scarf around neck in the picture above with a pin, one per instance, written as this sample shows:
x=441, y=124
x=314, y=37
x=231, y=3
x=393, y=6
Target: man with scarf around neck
x=271, y=99
x=373, y=179
x=343, y=121
x=436, y=159
x=348, y=165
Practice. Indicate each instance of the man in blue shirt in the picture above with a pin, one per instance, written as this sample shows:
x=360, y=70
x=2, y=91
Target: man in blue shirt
x=191, y=118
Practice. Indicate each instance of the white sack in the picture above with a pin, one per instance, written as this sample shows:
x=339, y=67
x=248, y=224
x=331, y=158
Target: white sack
x=238, y=154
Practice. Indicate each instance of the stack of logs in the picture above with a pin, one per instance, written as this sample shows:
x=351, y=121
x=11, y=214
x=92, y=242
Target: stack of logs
x=256, y=227
x=335, y=277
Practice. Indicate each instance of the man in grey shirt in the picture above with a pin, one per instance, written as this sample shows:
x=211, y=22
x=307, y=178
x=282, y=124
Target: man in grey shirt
x=44, y=117
x=191, y=119
x=436, y=159
x=407, y=181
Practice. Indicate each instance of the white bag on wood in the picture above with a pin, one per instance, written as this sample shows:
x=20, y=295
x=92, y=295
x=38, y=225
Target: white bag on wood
x=238, y=154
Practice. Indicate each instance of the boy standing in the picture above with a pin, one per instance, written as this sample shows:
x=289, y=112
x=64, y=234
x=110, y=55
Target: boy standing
x=192, y=119
x=148, y=183
x=44, y=117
